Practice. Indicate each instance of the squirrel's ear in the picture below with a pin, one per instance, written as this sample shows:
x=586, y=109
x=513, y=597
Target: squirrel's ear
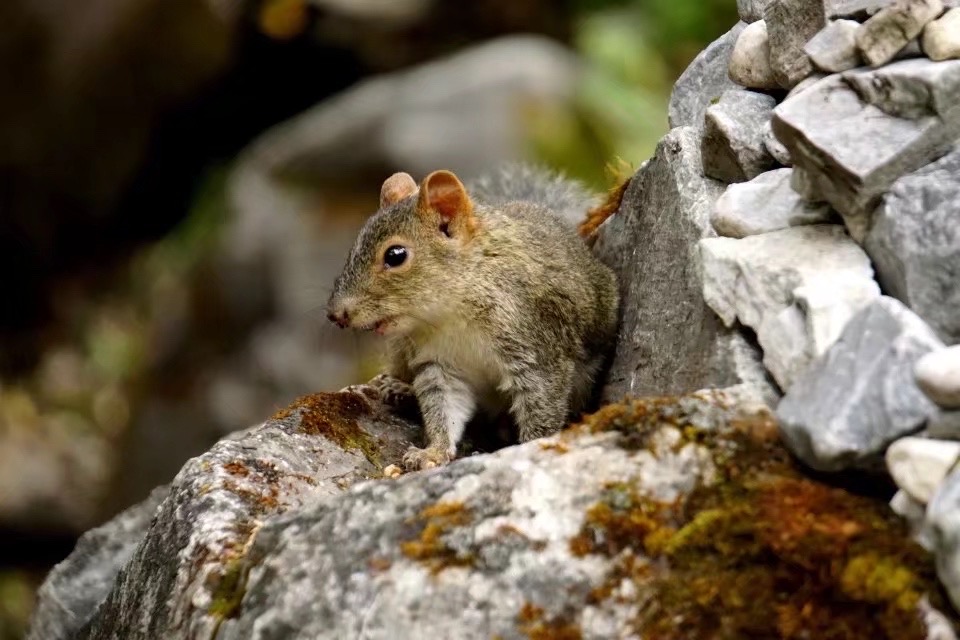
x=442, y=193
x=396, y=188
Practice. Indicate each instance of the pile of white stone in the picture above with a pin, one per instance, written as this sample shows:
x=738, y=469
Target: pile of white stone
x=839, y=235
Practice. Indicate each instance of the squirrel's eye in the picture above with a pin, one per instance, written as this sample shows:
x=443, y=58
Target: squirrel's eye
x=394, y=256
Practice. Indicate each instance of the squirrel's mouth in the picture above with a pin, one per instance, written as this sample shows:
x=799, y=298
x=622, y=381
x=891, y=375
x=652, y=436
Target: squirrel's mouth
x=379, y=327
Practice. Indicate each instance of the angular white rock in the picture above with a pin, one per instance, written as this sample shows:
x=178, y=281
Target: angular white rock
x=750, y=60
x=834, y=48
x=860, y=395
x=881, y=37
x=943, y=522
x=919, y=465
x=938, y=376
x=766, y=203
x=915, y=514
x=941, y=38
x=796, y=288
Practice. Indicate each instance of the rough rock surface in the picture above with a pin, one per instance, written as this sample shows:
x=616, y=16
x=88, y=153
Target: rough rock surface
x=944, y=424
x=670, y=341
x=568, y=537
x=766, y=203
x=911, y=89
x=776, y=149
x=851, y=151
x=915, y=244
x=704, y=80
x=790, y=24
x=834, y=48
x=74, y=589
x=749, y=64
x=751, y=10
x=860, y=396
x=797, y=288
x=943, y=522
x=938, y=376
x=941, y=38
x=881, y=37
x=732, y=147
x=919, y=465
x=184, y=573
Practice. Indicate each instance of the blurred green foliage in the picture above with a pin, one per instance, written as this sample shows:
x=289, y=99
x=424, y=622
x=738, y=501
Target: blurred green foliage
x=633, y=50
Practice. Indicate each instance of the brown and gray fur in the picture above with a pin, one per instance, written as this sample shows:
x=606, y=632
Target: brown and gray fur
x=499, y=305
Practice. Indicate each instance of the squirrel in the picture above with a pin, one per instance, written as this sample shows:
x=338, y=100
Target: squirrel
x=488, y=298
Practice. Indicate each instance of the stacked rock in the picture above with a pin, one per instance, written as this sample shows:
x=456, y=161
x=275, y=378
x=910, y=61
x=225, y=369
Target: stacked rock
x=835, y=126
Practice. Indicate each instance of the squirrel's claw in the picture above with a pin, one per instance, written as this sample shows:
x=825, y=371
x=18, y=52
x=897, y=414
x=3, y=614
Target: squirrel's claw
x=393, y=392
x=416, y=459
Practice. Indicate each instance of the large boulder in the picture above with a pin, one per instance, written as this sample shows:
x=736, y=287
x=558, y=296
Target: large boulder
x=652, y=517
x=670, y=341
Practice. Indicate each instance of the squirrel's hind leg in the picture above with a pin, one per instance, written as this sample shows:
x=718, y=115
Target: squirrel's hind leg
x=541, y=400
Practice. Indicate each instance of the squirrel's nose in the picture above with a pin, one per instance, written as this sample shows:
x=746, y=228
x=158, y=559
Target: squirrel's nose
x=340, y=318
x=339, y=314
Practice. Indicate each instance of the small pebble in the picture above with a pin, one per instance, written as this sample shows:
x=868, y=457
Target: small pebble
x=750, y=60
x=392, y=471
x=941, y=38
x=919, y=465
x=938, y=375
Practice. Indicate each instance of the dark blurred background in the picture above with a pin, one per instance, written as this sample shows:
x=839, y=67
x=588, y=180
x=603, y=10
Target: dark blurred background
x=181, y=179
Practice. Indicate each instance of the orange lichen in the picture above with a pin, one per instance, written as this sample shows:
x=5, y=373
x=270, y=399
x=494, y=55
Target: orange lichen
x=283, y=19
x=335, y=416
x=429, y=546
x=531, y=621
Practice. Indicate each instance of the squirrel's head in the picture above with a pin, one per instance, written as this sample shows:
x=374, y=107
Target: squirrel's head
x=402, y=266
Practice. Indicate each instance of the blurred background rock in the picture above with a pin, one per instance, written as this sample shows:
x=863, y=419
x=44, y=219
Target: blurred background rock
x=180, y=181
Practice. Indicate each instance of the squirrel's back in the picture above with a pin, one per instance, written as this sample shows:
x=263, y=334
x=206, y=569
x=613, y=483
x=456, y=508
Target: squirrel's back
x=519, y=182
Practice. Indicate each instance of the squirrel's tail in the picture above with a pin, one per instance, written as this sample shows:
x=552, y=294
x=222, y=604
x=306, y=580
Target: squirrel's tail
x=567, y=198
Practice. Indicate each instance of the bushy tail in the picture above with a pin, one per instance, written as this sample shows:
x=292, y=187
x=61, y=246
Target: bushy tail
x=569, y=199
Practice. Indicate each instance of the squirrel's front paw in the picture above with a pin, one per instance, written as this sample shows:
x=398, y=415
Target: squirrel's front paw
x=416, y=458
x=393, y=392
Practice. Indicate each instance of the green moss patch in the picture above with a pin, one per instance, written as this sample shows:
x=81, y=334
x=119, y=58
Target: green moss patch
x=762, y=552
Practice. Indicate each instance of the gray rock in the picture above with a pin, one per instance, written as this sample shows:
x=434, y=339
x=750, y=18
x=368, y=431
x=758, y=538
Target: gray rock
x=805, y=84
x=797, y=288
x=834, y=48
x=670, y=342
x=791, y=23
x=881, y=37
x=526, y=542
x=749, y=64
x=860, y=396
x=915, y=513
x=850, y=151
x=703, y=81
x=766, y=203
x=408, y=118
x=911, y=88
x=861, y=10
x=751, y=10
x=775, y=148
x=74, y=589
x=180, y=580
x=944, y=424
x=919, y=465
x=941, y=38
x=732, y=147
x=943, y=522
x=938, y=376
x=915, y=244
